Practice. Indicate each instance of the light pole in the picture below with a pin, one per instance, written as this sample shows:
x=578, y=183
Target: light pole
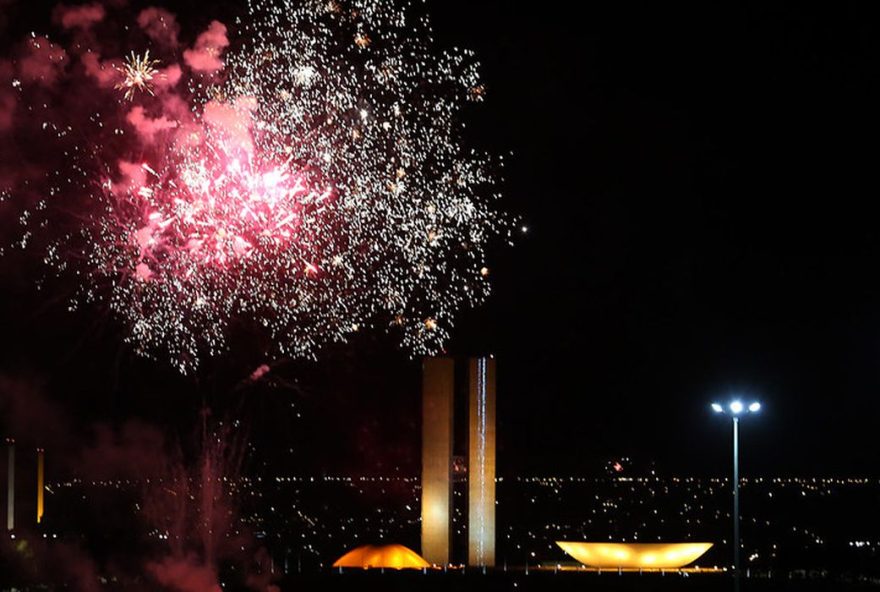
x=734, y=410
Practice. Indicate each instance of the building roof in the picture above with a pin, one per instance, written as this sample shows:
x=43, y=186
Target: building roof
x=635, y=555
x=390, y=556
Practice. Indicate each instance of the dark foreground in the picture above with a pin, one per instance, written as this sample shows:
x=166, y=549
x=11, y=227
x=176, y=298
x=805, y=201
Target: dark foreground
x=561, y=582
x=518, y=580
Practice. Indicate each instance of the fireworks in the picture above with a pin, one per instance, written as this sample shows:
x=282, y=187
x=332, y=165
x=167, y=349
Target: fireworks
x=138, y=73
x=315, y=184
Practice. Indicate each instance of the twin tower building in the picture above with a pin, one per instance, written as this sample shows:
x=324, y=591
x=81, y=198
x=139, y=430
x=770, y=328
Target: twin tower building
x=440, y=384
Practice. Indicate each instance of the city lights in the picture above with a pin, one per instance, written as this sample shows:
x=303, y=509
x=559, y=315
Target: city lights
x=297, y=295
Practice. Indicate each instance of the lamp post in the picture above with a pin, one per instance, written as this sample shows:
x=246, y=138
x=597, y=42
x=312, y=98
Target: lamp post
x=734, y=410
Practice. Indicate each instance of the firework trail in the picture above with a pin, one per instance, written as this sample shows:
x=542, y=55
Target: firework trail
x=307, y=180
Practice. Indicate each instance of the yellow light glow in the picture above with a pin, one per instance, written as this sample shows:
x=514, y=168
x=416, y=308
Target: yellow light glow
x=635, y=555
x=40, y=483
x=438, y=388
x=389, y=556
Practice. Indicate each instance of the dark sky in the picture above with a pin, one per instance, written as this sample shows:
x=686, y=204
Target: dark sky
x=699, y=185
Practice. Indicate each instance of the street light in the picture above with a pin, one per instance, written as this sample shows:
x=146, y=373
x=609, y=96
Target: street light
x=735, y=409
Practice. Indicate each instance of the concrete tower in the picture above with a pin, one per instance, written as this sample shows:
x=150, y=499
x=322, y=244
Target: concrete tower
x=481, y=462
x=438, y=387
x=10, y=485
x=438, y=410
x=41, y=486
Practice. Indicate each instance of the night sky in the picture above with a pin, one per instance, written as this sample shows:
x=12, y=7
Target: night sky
x=699, y=187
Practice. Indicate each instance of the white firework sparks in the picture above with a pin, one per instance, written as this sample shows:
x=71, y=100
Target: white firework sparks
x=321, y=188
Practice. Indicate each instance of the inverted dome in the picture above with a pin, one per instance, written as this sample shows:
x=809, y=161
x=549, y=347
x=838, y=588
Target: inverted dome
x=390, y=556
x=635, y=555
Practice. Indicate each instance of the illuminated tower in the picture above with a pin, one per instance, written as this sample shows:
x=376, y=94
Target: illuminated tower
x=41, y=457
x=481, y=462
x=438, y=387
x=10, y=485
x=438, y=411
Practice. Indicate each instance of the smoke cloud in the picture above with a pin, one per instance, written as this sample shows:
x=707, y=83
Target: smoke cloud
x=160, y=26
x=42, y=61
x=148, y=127
x=205, y=54
x=184, y=575
x=79, y=17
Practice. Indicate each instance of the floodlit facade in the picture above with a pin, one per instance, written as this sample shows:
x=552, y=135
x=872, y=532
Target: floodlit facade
x=41, y=485
x=438, y=387
x=635, y=555
x=438, y=410
x=481, y=463
x=382, y=556
x=10, y=485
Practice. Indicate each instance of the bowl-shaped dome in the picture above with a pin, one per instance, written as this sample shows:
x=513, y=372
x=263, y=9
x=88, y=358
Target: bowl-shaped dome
x=390, y=556
x=635, y=555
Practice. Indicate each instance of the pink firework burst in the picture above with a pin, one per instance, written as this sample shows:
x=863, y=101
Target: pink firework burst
x=303, y=181
x=217, y=201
